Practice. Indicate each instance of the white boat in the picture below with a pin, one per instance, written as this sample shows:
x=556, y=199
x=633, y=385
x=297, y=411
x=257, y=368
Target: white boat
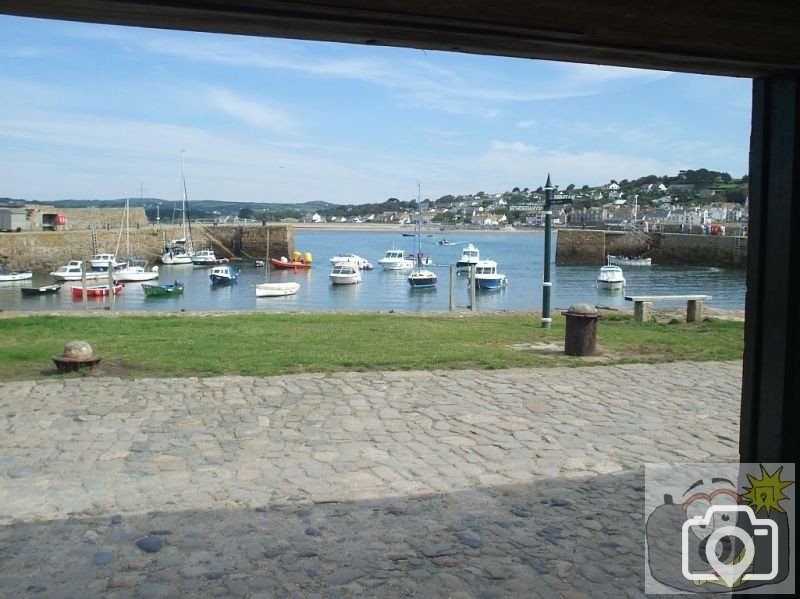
x=345, y=273
x=395, y=260
x=180, y=251
x=623, y=261
x=420, y=277
x=360, y=262
x=268, y=289
x=610, y=278
x=74, y=272
x=6, y=275
x=487, y=277
x=135, y=274
x=276, y=289
x=100, y=262
x=205, y=258
x=469, y=255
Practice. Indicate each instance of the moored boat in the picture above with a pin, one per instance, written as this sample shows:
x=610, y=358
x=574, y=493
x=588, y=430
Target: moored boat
x=43, y=290
x=487, y=277
x=207, y=258
x=74, y=272
x=95, y=290
x=469, y=255
x=6, y=275
x=163, y=289
x=355, y=259
x=420, y=277
x=623, y=261
x=276, y=289
x=610, y=278
x=180, y=251
x=286, y=264
x=395, y=259
x=101, y=261
x=222, y=275
x=345, y=273
x=135, y=274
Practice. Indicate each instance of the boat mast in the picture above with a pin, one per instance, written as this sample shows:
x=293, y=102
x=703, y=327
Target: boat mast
x=419, y=243
x=187, y=227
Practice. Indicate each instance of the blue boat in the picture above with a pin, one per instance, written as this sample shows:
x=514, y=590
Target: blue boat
x=222, y=275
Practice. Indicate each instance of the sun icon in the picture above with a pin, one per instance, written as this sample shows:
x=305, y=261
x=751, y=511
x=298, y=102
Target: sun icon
x=767, y=492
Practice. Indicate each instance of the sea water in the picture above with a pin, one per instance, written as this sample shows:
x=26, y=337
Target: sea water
x=518, y=254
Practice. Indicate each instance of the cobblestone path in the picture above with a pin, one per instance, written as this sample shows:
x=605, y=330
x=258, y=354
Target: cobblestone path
x=524, y=482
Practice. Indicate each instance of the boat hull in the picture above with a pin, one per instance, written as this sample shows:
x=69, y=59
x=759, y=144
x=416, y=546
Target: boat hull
x=289, y=265
x=222, y=280
x=422, y=279
x=396, y=264
x=16, y=276
x=345, y=279
x=153, y=290
x=610, y=285
x=492, y=283
x=276, y=289
x=43, y=290
x=619, y=261
x=136, y=274
x=95, y=291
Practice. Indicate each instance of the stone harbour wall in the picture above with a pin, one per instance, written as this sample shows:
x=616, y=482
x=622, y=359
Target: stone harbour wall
x=43, y=251
x=585, y=247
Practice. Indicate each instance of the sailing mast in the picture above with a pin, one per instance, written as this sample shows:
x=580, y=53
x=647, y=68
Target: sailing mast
x=419, y=218
x=185, y=222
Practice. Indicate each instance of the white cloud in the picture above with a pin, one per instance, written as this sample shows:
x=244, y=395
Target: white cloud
x=251, y=112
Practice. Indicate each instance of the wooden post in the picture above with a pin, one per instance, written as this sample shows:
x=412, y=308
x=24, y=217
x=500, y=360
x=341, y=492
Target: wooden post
x=472, y=285
x=452, y=287
x=111, y=298
x=83, y=284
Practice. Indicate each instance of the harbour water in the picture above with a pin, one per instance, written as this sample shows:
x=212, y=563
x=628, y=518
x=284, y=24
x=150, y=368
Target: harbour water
x=518, y=254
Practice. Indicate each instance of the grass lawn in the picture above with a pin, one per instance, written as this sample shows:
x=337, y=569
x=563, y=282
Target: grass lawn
x=270, y=344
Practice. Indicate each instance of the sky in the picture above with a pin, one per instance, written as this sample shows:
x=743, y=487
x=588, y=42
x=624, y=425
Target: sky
x=102, y=112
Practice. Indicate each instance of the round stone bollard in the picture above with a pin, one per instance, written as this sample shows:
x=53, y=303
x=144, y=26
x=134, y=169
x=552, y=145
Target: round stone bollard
x=77, y=355
x=581, y=334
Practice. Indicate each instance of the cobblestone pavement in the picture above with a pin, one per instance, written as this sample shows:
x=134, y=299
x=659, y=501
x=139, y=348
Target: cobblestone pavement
x=524, y=482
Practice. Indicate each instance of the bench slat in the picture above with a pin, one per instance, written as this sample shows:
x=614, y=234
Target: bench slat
x=659, y=298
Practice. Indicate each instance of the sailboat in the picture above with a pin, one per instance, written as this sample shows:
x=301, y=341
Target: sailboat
x=180, y=251
x=275, y=289
x=420, y=277
x=132, y=271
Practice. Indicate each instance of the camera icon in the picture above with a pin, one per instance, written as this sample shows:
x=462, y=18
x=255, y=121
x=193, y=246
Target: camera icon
x=729, y=548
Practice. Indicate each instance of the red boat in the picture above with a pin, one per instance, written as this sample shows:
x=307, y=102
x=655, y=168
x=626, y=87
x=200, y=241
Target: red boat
x=298, y=261
x=94, y=291
x=289, y=264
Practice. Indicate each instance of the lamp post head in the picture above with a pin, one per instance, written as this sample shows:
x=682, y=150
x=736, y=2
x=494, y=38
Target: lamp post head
x=548, y=185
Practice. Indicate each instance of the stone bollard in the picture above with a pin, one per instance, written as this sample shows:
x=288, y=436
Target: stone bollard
x=580, y=337
x=77, y=354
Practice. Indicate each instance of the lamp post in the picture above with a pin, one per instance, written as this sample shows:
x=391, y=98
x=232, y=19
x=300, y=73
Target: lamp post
x=548, y=227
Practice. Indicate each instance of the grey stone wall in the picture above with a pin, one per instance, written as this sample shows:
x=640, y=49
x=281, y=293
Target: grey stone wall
x=43, y=251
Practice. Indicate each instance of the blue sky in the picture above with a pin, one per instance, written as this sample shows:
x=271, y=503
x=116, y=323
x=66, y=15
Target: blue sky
x=93, y=111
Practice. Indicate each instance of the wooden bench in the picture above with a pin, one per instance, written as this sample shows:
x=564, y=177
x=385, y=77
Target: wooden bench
x=643, y=305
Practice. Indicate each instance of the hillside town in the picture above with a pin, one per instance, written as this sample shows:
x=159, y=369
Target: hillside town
x=698, y=202
x=715, y=205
